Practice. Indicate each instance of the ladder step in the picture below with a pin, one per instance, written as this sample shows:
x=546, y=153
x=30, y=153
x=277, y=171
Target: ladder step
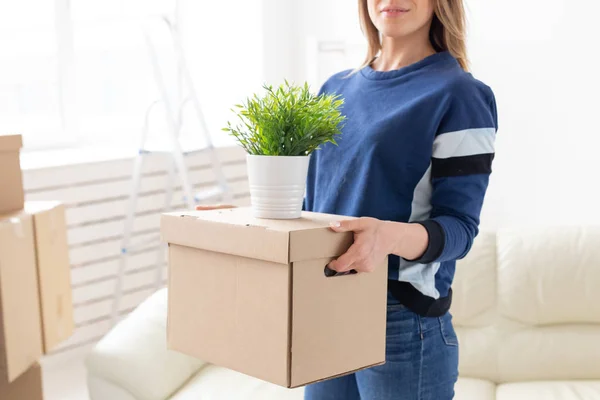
x=163, y=145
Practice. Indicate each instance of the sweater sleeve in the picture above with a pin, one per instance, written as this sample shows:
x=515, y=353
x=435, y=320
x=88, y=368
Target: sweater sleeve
x=461, y=165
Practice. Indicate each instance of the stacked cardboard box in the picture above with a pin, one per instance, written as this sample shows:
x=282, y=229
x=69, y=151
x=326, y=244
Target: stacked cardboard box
x=36, y=312
x=11, y=182
x=28, y=386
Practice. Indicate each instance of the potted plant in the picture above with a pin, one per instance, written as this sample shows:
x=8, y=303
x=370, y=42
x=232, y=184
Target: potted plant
x=279, y=131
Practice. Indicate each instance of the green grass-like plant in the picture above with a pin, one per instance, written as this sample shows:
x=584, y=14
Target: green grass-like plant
x=287, y=121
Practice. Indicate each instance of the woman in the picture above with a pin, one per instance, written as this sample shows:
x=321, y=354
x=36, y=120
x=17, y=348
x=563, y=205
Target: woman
x=413, y=161
x=415, y=156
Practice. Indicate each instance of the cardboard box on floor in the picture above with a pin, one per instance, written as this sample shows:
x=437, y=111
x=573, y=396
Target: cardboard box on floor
x=36, y=310
x=251, y=295
x=20, y=331
x=11, y=179
x=28, y=386
x=54, y=271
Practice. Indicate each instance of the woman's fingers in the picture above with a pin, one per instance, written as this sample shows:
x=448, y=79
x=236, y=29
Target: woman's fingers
x=354, y=225
x=359, y=255
x=345, y=261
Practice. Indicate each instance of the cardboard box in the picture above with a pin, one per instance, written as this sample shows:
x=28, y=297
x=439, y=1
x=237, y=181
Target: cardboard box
x=28, y=386
x=20, y=333
x=11, y=178
x=251, y=295
x=54, y=271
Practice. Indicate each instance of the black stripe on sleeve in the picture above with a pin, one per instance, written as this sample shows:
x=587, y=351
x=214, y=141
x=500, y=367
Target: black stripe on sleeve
x=417, y=302
x=437, y=241
x=461, y=166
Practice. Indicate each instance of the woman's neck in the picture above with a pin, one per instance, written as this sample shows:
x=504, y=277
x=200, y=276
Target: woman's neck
x=401, y=52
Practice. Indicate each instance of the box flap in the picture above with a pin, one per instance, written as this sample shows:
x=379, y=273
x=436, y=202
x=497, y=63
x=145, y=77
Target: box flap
x=20, y=333
x=197, y=230
x=11, y=142
x=54, y=271
x=316, y=243
x=237, y=232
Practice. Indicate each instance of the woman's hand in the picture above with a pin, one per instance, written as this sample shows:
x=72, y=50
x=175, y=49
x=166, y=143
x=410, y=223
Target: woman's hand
x=214, y=207
x=374, y=240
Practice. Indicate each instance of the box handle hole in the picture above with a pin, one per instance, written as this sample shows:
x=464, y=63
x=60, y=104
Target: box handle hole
x=329, y=273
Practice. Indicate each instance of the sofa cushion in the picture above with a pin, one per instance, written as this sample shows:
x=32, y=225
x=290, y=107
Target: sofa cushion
x=474, y=389
x=474, y=309
x=549, y=353
x=567, y=390
x=478, y=349
x=134, y=355
x=217, y=383
x=549, y=276
x=549, y=316
x=474, y=287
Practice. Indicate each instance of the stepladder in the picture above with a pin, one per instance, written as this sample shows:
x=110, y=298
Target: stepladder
x=173, y=148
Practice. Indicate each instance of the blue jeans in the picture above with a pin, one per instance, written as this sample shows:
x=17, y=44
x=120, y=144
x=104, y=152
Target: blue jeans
x=421, y=363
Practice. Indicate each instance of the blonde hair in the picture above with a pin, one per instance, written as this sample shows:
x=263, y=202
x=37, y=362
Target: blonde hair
x=447, y=32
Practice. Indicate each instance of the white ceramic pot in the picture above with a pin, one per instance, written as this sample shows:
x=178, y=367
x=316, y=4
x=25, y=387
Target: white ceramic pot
x=277, y=185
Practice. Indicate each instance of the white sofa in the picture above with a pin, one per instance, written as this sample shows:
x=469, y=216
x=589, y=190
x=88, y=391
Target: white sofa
x=526, y=308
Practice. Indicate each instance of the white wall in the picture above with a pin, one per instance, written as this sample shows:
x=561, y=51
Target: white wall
x=224, y=47
x=279, y=26
x=539, y=58
x=114, y=80
x=332, y=19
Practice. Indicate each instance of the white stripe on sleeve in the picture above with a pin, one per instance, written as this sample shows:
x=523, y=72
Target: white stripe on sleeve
x=467, y=142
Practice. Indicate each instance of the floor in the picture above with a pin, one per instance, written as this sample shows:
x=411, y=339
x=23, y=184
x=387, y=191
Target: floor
x=64, y=377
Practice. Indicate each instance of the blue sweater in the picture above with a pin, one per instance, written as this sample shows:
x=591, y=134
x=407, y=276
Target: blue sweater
x=417, y=147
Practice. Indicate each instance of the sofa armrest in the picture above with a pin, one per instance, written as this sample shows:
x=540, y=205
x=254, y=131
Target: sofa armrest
x=134, y=355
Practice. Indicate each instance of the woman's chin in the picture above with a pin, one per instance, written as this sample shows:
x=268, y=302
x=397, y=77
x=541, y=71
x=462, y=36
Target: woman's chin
x=395, y=32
